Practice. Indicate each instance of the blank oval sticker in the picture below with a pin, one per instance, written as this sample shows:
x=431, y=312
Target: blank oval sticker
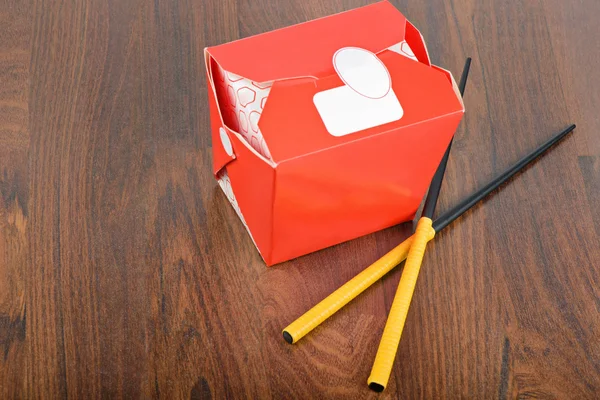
x=363, y=72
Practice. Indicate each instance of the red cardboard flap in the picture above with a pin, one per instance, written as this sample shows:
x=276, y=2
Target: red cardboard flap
x=306, y=49
x=425, y=93
x=416, y=43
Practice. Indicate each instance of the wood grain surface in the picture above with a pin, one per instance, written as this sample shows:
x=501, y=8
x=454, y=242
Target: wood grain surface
x=124, y=272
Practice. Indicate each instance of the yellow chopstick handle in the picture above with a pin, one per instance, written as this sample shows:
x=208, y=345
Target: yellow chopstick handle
x=386, y=353
x=342, y=296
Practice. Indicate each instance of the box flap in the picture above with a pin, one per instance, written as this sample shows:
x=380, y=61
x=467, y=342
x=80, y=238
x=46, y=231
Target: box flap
x=423, y=93
x=271, y=56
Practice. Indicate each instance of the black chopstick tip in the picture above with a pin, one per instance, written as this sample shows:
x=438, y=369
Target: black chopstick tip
x=468, y=63
x=570, y=129
x=376, y=387
x=464, y=77
x=287, y=337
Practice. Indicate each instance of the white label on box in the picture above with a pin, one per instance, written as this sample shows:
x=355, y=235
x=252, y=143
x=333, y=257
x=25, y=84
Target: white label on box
x=365, y=101
x=344, y=111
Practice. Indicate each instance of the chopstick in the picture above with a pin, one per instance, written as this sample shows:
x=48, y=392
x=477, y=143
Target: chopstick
x=426, y=230
x=390, y=339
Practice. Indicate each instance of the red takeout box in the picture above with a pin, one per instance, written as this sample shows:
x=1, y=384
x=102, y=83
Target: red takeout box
x=328, y=130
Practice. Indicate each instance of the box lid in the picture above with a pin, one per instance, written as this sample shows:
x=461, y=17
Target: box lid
x=305, y=50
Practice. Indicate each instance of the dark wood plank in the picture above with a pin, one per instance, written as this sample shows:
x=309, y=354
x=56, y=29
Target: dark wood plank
x=15, y=39
x=125, y=273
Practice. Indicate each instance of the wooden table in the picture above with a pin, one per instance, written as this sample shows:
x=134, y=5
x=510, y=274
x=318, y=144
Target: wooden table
x=124, y=272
